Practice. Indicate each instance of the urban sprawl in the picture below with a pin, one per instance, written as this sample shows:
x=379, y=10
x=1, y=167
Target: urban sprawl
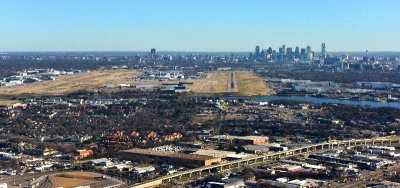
x=290, y=117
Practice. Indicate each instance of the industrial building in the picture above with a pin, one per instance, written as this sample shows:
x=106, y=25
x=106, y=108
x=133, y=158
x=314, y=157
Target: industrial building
x=214, y=153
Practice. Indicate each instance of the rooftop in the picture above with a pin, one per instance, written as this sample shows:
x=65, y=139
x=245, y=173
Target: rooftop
x=169, y=154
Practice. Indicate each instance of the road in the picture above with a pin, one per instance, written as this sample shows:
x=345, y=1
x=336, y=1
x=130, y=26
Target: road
x=368, y=178
x=232, y=83
x=23, y=180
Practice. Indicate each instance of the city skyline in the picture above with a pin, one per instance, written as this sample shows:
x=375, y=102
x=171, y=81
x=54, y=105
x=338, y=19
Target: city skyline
x=206, y=26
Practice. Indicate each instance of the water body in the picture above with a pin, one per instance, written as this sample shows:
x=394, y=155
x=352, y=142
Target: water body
x=317, y=100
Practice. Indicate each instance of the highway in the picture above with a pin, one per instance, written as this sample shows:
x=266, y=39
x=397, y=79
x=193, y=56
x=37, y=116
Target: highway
x=274, y=156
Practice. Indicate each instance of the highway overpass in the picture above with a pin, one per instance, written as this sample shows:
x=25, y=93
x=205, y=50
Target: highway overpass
x=273, y=156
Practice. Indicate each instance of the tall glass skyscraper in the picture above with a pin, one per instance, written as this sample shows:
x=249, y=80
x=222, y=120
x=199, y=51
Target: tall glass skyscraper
x=323, y=50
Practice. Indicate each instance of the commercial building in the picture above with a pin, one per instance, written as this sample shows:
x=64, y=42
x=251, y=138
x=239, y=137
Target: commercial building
x=323, y=50
x=145, y=169
x=257, y=52
x=256, y=149
x=374, y=85
x=289, y=168
x=83, y=153
x=239, y=139
x=173, y=157
x=153, y=53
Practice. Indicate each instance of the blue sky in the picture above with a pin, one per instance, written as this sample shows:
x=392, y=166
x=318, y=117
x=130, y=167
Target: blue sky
x=198, y=25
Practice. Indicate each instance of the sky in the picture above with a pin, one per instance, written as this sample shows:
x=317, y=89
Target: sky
x=198, y=25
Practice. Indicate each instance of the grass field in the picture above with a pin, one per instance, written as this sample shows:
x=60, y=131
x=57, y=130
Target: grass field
x=91, y=81
x=8, y=102
x=216, y=82
x=250, y=84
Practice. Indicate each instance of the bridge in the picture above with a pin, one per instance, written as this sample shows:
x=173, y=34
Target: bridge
x=273, y=156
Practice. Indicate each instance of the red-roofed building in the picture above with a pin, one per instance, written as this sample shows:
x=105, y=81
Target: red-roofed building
x=171, y=137
x=83, y=153
x=152, y=135
x=135, y=134
x=118, y=133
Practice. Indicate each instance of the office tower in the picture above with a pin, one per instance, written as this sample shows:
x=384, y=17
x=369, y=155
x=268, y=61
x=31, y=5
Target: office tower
x=297, y=52
x=281, y=53
x=269, y=51
x=303, y=52
x=366, y=57
x=153, y=53
x=284, y=49
x=309, y=52
x=323, y=50
x=274, y=56
x=308, y=49
x=257, y=52
x=289, y=53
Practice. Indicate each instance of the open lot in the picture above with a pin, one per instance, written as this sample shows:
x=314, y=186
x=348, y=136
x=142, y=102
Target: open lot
x=215, y=82
x=64, y=179
x=70, y=182
x=91, y=81
x=74, y=179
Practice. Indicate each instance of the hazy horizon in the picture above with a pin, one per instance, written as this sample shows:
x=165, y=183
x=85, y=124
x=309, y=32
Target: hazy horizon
x=132, y=53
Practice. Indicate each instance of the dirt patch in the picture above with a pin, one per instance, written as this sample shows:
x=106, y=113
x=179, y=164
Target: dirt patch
x=74, y=179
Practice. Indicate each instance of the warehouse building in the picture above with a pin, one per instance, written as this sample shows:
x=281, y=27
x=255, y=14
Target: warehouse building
x=173, y=157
